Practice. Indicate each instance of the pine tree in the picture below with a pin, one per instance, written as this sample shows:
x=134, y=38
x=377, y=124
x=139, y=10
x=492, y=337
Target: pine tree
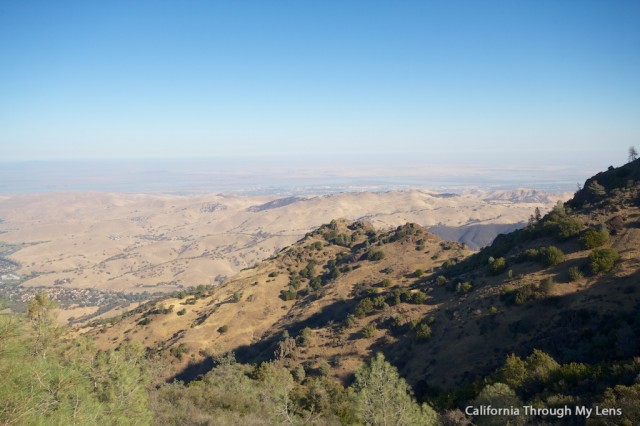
x=384, y=398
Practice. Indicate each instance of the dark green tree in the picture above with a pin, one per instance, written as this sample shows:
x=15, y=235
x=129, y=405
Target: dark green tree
x=384, y=398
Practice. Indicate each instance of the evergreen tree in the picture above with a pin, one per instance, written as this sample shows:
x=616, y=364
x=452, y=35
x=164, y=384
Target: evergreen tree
x=384, y=398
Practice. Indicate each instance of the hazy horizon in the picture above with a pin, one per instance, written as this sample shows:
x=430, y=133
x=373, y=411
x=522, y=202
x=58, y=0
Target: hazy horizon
x=292, y=175
x=473, y=84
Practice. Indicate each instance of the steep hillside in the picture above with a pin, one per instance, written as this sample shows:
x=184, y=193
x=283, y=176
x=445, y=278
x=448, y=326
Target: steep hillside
x=566, y=284
x=342, y=282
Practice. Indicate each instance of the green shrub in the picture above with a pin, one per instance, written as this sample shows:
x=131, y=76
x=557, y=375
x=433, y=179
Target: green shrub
x=223, y=329
x=375, y=255
x=592, y=238
x=379, y=302
x=386, y=282
x=545, y=286
x=464, y=288
x=350, y=320
x=418, y=273
x=602, y=260
x=596, y=189
x=422, y=330
x=236, y=297
x=527, y=292
x=418, y=298
x=368, y=330
x=441, y=280
x=363, y=308
x=531, y=254
x=448, y=263
x=179, y=350
x=560, y=225
x=309, y=271
x=324, y=368
x=182, y=311
x=575, y=274
x=305, y=338
x=316, y=283
x=550, y=256
x=299, y=373
x=289, y=294
x=144, y=321
x=524, y=293
x=294, y=281
x=497, y=266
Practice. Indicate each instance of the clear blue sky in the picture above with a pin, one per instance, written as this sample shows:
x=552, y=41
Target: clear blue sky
x=110, y=79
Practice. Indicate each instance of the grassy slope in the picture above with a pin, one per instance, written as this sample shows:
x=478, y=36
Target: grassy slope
x=594, y=318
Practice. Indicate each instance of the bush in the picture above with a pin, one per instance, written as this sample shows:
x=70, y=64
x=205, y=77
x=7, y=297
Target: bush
x=289, y=294
x=179, y=350
x=575, y=274
x=398, y=295
x=294, y=281
x=368, y=330
x=144, y=321
x=305, y=338
x=524, y=293
x=379, y=302
x=236, y=297
x=561, y=226
x=363, y=308
x=350, y=320
x=596, y=189
x=497, y=266
x=602, y=260
x=545, y=286
x=592, y=238
x=418, y=273
x=324, y=368
x=418, y=298
x=223, y=329
x=182, y=311
x=527, y=292
x=386, y=282
x=550, y=256
x=498, y=395
x=464, y=288
x=422, y=330
x=448, y=263
x=375, y=255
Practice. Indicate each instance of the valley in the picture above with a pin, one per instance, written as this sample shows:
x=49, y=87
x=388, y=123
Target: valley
x=133, y=246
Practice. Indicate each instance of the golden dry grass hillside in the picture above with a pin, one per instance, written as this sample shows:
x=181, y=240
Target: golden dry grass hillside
x=136, y=243
x=566, y=284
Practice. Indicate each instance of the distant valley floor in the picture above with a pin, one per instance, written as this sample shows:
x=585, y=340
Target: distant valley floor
x=122, y=246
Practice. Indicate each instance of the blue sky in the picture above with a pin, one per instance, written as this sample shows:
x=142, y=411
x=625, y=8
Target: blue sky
x=489, y=80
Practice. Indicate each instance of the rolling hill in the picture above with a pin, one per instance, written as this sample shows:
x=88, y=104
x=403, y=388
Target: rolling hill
x=423, y=302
